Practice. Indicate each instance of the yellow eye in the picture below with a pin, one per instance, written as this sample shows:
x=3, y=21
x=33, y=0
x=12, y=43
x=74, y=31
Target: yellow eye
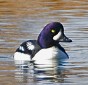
x=53, y=31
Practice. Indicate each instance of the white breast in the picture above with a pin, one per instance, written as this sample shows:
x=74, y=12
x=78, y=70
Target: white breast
x=48, y=56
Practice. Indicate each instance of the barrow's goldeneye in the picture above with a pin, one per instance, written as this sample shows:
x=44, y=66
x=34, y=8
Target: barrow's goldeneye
x=45, y=47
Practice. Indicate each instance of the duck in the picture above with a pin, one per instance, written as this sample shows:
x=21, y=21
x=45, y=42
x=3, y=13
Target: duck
x=46, y=47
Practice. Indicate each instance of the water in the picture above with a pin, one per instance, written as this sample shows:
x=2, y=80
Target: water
x=21, y=20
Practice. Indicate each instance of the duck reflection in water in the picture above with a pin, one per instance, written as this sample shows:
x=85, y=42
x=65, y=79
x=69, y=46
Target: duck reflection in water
x=46, y=52
x=37, y=72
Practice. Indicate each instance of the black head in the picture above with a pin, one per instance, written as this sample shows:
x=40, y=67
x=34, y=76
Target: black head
x=52, y=34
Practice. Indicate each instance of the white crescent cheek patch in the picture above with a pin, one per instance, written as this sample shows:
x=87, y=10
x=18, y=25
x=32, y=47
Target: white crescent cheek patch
x=56, y=37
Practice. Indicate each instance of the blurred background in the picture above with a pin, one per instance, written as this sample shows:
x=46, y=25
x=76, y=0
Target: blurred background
x=22, y=20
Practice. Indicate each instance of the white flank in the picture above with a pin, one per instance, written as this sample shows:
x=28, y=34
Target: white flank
x=56, y=37
x=21, y=58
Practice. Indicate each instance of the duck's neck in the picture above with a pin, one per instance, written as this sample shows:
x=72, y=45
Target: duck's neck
x=46, y=42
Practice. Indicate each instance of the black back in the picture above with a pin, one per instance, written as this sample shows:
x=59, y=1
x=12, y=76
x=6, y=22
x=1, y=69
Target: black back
x=24, y=48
